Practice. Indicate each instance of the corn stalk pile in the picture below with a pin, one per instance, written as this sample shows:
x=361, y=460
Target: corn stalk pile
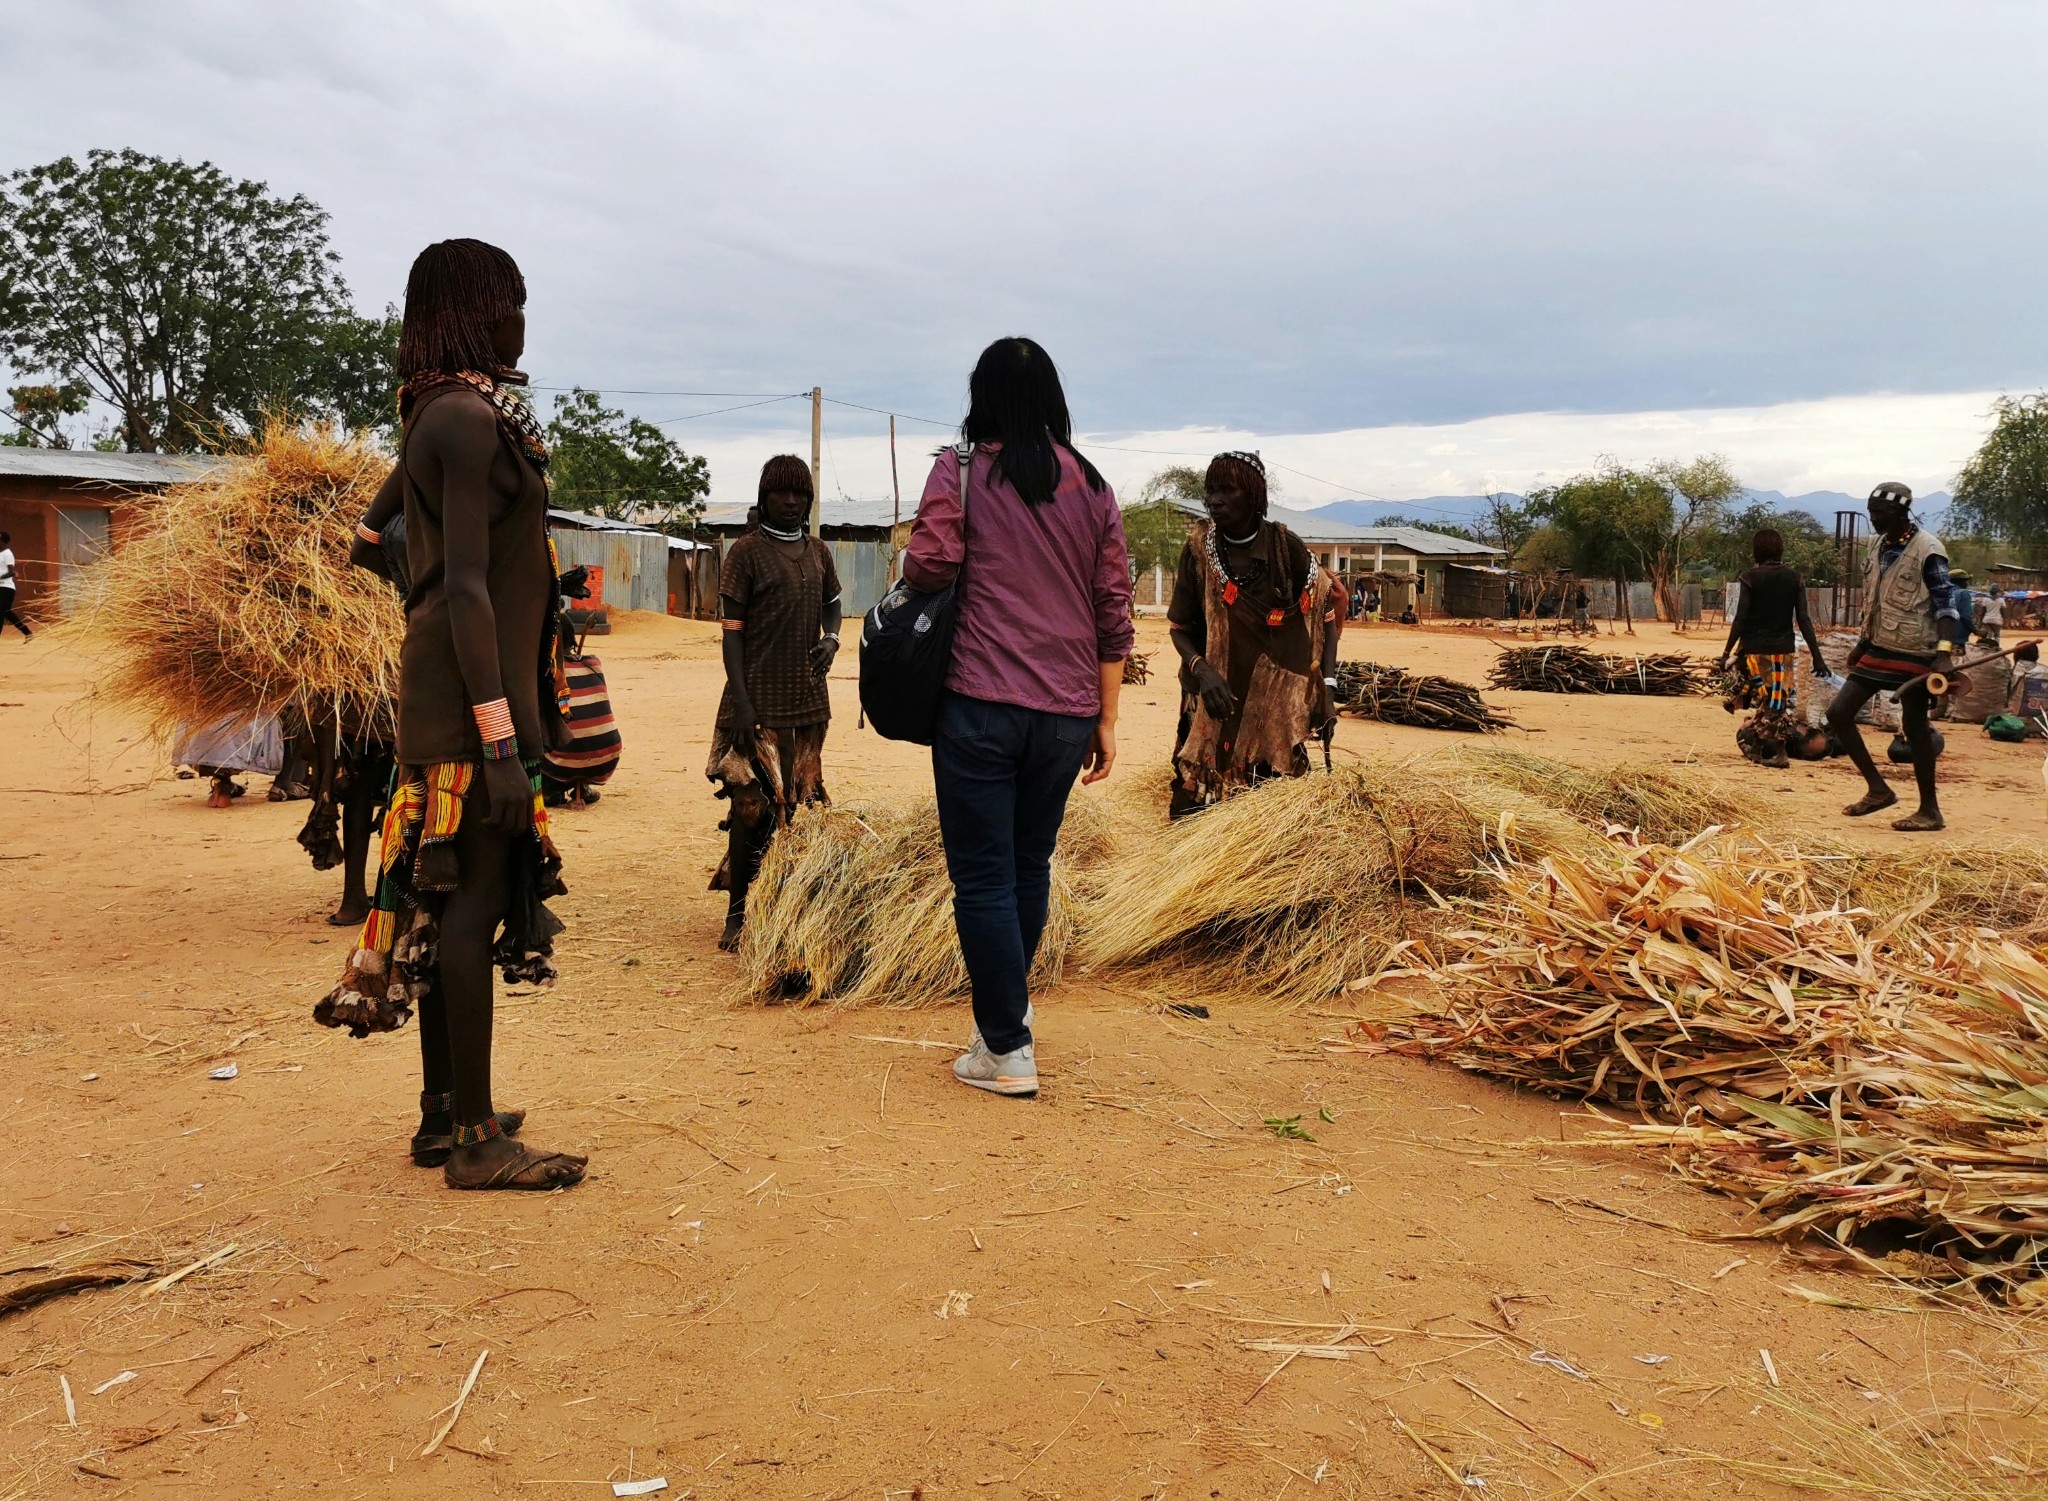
x=1836, y=1070
x=1396, y=696
x=1574, y=669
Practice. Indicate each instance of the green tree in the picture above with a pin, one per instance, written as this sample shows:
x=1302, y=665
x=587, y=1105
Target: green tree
x=1730, y=547
x=192, y=303
x=1156, y=523
x=38, y=414
x=1506, y=523
x=1640, y=524
x=603, y=461
x=2003, y=489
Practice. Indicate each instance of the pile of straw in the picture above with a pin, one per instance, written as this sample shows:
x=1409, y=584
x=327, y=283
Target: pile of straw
x=1394, y=695
x=1574, y=669
x=1282, y=894
x=234, y=597
x=852, y=906
x=1837, y=1069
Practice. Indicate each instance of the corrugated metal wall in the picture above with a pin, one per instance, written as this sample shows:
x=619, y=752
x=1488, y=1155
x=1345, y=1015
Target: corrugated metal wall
x=635, y=565
x=863, y=573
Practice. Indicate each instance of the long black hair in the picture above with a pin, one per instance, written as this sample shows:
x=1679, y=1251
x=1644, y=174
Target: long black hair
x=1014, y=398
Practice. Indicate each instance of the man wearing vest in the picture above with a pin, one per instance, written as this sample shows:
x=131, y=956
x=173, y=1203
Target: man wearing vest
x=1909, y=630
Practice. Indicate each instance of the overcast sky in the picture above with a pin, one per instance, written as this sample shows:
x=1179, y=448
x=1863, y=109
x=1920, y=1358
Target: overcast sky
x=1273, y=220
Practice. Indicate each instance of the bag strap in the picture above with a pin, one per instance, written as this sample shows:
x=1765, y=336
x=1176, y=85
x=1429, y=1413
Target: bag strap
x=964, y=452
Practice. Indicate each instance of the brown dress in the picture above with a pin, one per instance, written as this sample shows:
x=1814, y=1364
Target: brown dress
x=1266, y=641
x=779, y=595
x=435, y=722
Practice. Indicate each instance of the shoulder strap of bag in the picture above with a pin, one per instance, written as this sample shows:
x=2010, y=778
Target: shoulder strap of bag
x=964, y=452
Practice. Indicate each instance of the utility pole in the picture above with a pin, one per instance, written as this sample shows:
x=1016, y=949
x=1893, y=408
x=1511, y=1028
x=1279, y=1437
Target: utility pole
x=817, y=436
x=896, y=489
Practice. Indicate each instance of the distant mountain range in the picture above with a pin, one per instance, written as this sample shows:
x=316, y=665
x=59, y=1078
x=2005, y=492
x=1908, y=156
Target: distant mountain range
x=1463, y=510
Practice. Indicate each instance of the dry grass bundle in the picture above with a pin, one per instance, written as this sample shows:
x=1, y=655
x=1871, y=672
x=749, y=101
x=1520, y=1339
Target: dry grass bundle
x=235, y=598
x=1669, y=806
x=852, y=906
x=1396, y=696
x=1286, y=891
x=1282, y=894
x=1574, y=669
x=1837, y=1069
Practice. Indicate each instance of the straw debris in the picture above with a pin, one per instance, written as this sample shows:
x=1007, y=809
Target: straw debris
x=234, y=599
x=1838, y=1069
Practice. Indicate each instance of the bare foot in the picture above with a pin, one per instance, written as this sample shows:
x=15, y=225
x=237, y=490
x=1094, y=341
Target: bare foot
x=1871, y=802
x=729, y=940
x=503, y=1163
x=1925, y=821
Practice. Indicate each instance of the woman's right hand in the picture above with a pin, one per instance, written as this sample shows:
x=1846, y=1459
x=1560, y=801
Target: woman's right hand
x=1214, y=689
x=743, y=727
x=510, y=793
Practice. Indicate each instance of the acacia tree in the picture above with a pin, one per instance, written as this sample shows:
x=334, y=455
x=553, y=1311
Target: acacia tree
x=38, y=413
x=1700, y=494
x=1505, y=523
x=1611, y=518
x=2003, y=490
x=623, y=467
x=192, y=303
x=1156, y=523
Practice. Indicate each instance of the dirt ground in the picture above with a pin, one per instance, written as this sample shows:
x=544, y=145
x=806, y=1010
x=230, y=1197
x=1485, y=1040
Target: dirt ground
x=806, y=1263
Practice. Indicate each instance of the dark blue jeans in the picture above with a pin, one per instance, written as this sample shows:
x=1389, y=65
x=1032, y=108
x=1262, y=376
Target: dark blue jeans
x=1003, y=774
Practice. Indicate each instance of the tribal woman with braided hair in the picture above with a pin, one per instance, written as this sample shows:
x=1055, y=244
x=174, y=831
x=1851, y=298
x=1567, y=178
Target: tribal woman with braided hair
x=1253, y=622
x=466, y=861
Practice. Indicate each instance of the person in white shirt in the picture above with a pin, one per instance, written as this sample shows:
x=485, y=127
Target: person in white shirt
x=1991, y=618
x=7, y=588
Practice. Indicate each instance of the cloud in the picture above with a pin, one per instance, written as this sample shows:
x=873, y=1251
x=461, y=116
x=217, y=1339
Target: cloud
x=1845, y=443
x=1303, y=218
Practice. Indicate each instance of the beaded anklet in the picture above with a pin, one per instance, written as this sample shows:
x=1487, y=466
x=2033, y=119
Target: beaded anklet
x=437, y=1104
x=485, y=1130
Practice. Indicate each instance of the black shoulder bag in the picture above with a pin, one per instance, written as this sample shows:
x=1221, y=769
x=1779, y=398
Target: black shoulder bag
x=906, y=647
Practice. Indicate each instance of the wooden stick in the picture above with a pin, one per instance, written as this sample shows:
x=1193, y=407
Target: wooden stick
x=185, y=1271
x=1434, y=1458
x=1516, y=1417
x=1034, y=1459
x=215, y=1370
x=455, y=1416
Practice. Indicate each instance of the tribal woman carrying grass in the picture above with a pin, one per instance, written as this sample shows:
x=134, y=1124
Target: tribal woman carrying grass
x=1254, y=624
x=465, y=852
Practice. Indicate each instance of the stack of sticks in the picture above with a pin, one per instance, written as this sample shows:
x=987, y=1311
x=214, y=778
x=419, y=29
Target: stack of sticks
x=1836, y=1070
x=1137, y=668
x=1396, y=696
x=1574, y=669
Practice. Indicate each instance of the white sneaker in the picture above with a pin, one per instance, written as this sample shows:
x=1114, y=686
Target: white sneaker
x=999, y=1073
x=1030, y=1021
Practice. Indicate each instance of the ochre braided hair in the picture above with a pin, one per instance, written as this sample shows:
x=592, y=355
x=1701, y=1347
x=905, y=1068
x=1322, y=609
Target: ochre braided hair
x=786, y=472
x=1245, y=472
x=457, y=290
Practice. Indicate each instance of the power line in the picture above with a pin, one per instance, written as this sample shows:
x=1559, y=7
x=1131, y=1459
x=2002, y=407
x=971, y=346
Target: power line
x=743, y=406
x=622, y=391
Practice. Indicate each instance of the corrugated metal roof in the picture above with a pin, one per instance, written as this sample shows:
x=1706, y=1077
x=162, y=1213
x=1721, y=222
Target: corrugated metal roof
x=1324, y=530
x=868, y=513
x=110, y=468
x=585, y=521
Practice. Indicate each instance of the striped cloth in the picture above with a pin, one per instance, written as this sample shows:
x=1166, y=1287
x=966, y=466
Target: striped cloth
x=592, y=754
x=1886, y=669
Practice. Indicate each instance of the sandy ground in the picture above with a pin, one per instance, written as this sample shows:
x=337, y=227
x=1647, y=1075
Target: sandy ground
x=807, y=1264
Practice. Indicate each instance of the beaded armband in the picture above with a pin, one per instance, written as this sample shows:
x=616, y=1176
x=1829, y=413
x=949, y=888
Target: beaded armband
x=368, y=534
x=494, y=724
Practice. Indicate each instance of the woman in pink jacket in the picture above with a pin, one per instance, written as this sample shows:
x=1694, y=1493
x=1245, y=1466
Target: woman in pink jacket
x=1043, y=628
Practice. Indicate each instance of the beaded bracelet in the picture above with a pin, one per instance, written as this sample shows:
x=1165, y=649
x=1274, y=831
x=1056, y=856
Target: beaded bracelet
x=367, y=533
x=494, y=725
